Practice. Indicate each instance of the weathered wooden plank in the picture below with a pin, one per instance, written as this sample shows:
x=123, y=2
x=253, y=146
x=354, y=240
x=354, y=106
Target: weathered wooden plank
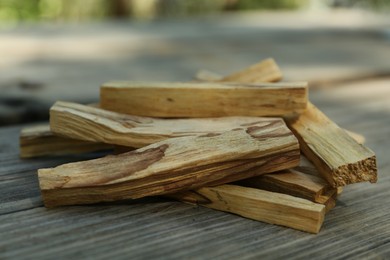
x=336, y=155
x=94, y=124
x=204, y=99
x=38, y=141
x=173, y=165
x=257, y=204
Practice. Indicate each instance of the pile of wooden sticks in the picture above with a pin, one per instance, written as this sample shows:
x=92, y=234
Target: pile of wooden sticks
x=241, y=144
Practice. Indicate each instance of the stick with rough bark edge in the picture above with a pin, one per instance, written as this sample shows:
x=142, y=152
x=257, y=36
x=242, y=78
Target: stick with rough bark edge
x=266, y=206
x=36, y=141
x=336, y=155
x=204, y=99
x=98, y=125
x=173, y=165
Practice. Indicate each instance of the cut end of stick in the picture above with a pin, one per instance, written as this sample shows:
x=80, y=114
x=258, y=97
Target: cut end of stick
x=339, y=158
x=362, y=171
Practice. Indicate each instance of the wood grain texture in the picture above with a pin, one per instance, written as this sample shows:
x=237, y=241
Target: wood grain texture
x=173, y=165
x=266, y=206
x=336, y=155
x=94, y=124
x=36, y=141
x=204, y=99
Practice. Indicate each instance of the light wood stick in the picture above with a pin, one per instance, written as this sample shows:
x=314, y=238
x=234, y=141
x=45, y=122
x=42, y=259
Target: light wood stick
x=203, y=99
x=336, y=155
x=173, y=165
x=98, y=125
x=38, y=141
x=266, y=206
x=264, y=71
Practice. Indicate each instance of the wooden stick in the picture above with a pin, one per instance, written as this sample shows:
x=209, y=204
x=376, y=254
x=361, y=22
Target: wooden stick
x=98, y=125
x=336, y=155
x=173, y=165
x=203, y=99
x=294, y=183
x=265, y=71
x=38, y=141
x=270, y=207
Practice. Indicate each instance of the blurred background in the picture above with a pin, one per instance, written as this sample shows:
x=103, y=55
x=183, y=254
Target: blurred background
x=64, y=49
x=14, y=11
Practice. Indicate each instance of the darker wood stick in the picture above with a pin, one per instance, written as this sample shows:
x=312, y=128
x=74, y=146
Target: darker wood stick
x=294, y=183
x=36, y=141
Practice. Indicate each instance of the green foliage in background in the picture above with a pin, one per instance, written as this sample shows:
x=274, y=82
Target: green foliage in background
x=269, y=4
x=33, y=10
x=14, y=11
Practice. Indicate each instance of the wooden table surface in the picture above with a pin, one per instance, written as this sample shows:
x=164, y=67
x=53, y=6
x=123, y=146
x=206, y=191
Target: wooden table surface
x=358, y=227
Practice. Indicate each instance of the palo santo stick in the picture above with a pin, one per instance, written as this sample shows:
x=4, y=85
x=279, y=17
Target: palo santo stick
x=266, y=206
x=38, y=141
x=264, y=71
x=294, y=183
x=336, y=155
x=173, y=165
x=203, y=99
x=95, y=124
